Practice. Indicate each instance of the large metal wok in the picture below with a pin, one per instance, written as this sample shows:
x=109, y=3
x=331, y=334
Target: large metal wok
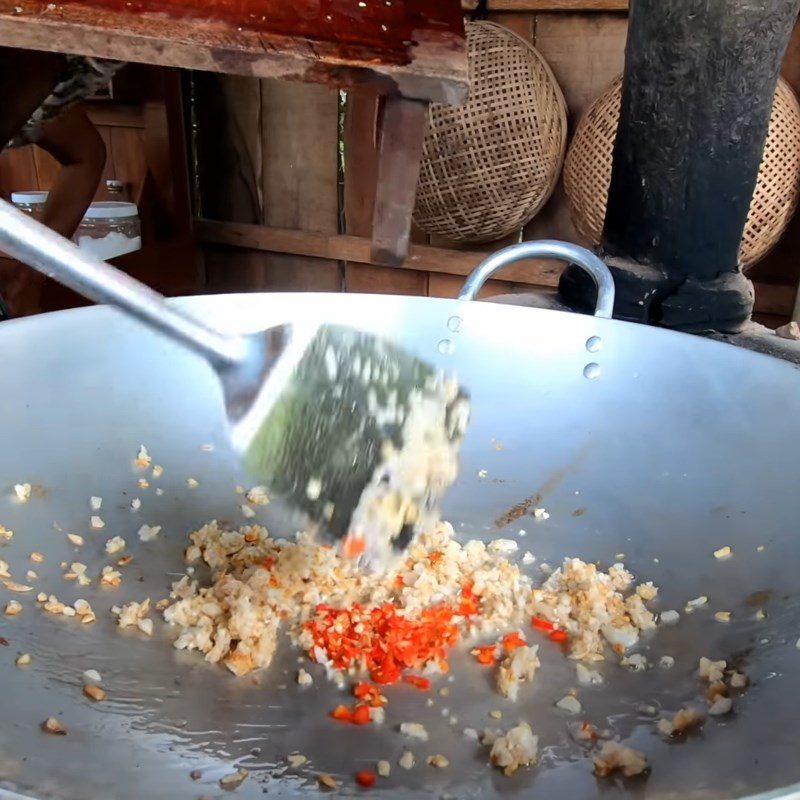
x=640, y=441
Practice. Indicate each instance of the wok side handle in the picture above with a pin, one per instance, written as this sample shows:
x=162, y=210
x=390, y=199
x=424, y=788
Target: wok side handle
x=27, y=240
x=546, y=248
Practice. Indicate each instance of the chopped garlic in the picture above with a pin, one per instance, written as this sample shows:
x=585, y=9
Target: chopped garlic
x=92, y=676
x=314, y=489
x=540, y=513
x=696, y=603
x=4, y=573
x=148, y=532
x=518, y=667
x=327, y=781
x=503, y=546
x=684, y=720
x=115, y=545
x=13, y=586
x=586, y=676
x=496, y=714
x=37, y=557
x=110, y=577
x=407, y=760
x=96, y=522
x=158, y=471
x=635, y=663
x=723, y=552
x=23, y=660
x=615, y=756
x=52, y=725
x=570, y=704
x=438, y=761
x=134, y=615
x=75, y=539
x=721, y=705
x=23, y=492
x=414, y=730
x=738, y=680
x=514, y=749
x=159, y=492
x=32, y=575
x=296, y=760
x=247, y=512
x=192, y=483
x=143, y=459
x=142, y=483
x=711, y=671
x=722, y=616
x=13, y=607
x=136, y=504
x=528, y=558
x=95, y=503
x=666, y=662
x=384, y=769
x=234, y=779
x=6, y=534
x=258, y=496
x=304, y=678
x=94, y=692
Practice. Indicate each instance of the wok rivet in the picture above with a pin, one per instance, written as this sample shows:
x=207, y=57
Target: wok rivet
x=594, y=343
x=446, y=347
x=591, y=370
x=454, y=324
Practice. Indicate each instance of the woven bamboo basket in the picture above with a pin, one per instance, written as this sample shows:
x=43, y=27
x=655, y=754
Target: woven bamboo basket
x=587, y=172
x=490, y=165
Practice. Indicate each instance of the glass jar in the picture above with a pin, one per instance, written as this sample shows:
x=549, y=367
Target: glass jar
x=30, y=202
x=110, y=229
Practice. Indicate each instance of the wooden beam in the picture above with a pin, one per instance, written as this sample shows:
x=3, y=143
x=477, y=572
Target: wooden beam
x=359, y=249
x=401, y=131
x=550, y=5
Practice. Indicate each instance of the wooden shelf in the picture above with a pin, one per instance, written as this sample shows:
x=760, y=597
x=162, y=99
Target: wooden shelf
x=551, y=5
x=415, y=48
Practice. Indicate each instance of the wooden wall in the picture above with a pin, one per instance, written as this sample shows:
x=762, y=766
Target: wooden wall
x=279, y=169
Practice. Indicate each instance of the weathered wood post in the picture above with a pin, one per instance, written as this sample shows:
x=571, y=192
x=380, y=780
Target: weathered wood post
x=697, y=93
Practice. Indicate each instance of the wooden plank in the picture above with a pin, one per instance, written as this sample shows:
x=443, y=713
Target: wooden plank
x=347, y=45
x=522, y=24
x=17, y=171
x=550, y=5
x=360, y=184
x=127, y=159
x=47, y=168
x=586, y=52
x=402, y=125
x=443, y=285
x=299, y=141
x=115, y=116
x=358, y=249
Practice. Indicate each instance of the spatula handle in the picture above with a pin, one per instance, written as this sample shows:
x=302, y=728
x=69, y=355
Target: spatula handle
x=34, y=244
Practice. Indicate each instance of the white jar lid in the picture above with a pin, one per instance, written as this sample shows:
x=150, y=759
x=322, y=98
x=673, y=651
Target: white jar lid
x=29, y=198
x=111, y=209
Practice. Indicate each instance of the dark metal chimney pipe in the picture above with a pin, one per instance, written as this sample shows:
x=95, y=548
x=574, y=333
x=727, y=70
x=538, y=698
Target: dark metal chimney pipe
x=697, y=93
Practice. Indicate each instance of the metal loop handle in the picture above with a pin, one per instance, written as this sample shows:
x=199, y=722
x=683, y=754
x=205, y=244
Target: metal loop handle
x=546, y=248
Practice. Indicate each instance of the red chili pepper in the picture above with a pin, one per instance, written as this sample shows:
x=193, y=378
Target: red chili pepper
x=361, y=715
x=542, y=624
x=559, y=636
x=511, y=641
x=435, y=557
x=3, y=641
x=342, y=713
x=365, y=778
x=486, y=655
x=268, y=562
x=368, y=693
x=469, y=604
x=418, y=682
x=399, y=581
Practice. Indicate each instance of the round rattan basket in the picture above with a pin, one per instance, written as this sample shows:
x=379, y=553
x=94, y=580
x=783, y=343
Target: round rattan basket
x=488, y=166
x=587, y=172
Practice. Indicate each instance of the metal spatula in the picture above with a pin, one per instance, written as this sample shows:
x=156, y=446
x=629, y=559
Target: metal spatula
x=352, y=430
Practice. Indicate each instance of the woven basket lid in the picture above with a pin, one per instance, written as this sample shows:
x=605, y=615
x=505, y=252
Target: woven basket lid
x=488, y=166
x=587, y=172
